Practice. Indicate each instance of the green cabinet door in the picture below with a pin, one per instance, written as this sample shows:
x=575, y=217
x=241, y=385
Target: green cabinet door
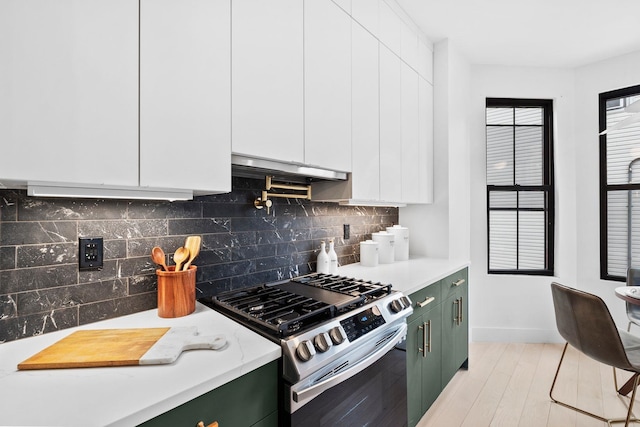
x=424, y=360
x=432, y=363
x=455, y=332
x=244, y=402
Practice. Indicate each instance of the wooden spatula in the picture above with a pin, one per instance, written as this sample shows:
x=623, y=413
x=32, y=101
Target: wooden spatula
x=193, y=244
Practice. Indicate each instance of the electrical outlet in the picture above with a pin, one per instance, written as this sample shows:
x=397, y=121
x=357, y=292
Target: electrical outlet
x=91, y=253
x=347, y=231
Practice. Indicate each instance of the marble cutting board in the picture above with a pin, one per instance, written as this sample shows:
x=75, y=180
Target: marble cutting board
x=121, y=347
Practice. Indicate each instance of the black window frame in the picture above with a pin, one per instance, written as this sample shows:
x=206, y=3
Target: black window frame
x=547, y=187
x=604, y=187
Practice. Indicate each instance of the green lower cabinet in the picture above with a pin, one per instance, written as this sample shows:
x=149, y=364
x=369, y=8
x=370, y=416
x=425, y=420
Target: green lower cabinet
x=424, y=359
x=248, y=401
x=455, y=332
x=439, y=325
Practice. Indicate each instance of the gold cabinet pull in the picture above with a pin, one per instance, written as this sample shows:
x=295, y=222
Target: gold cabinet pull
x=458, y=282
x=429, y=343
x=456, y=318
x=423, y=350
x=460, y=308
x=427, y=300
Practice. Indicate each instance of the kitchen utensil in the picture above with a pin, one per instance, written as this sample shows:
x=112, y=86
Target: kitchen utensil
x=121, y=347
x=158, y=256
x=176, y=292
x=180, y=256
x=193, y=244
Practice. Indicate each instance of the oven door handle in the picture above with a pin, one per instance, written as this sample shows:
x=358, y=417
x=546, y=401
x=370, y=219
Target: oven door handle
x=316, y=389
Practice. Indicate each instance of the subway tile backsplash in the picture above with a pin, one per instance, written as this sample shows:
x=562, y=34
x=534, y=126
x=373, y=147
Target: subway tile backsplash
x=41, y=289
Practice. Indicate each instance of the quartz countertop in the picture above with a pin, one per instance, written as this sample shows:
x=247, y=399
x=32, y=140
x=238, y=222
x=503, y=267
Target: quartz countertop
x=129, y=395
x=406, y=276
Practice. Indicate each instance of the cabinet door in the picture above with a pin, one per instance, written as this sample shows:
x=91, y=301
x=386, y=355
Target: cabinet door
x=390, y=28
x=455, y=333
x=68, y=85
x=425, y=144
x=432, y=363
x=390, y=126
x=414, y=371
x=411, y=163
x=267, y=83
x=366, y=13
x=185, y=94
x=327, y=85
x=365, y=116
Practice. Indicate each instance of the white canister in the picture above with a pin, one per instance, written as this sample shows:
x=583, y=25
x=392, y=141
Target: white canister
x=386, y=254
x=401, y=242
x=369, y=253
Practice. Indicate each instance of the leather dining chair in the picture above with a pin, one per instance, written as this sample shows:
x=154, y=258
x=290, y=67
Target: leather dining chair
x=585, y=322
x=633, y=310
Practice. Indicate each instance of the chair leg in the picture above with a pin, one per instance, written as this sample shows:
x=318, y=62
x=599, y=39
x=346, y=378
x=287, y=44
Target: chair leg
x=609, y=421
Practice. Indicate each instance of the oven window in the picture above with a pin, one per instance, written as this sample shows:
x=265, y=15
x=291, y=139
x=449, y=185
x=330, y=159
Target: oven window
x=375, y=396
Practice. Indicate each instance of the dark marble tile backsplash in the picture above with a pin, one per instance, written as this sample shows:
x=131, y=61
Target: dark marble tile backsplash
x=41, y=289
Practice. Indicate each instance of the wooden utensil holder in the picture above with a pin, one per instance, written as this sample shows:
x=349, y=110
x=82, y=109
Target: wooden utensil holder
x=176, y=292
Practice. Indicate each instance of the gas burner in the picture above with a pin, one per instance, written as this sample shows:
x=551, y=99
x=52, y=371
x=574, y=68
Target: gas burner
x=284, y=308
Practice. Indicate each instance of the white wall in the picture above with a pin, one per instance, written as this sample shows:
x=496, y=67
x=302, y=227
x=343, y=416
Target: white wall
x=591, y=80
x=517, y=308
x=508, y=307
x=441, y=229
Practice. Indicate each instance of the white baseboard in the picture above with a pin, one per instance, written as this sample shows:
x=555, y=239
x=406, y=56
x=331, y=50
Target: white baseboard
x=515, y=335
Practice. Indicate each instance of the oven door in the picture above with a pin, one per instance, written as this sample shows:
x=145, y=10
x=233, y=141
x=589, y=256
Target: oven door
x=371, y=392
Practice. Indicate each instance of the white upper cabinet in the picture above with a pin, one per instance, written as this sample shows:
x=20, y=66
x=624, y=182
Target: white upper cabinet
x=327, y=85
x=69, y=91
x=344, y=4
x=365, y=116
x=390, y=126
x=267, y=82
x=425, y=134
x=185, y=94
x=390, y=28
x=411, y=163
x=425, y=61
x=366, y=13
x=409, y=44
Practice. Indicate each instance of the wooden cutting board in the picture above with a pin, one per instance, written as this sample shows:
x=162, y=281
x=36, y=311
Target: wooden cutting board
x=121, y=347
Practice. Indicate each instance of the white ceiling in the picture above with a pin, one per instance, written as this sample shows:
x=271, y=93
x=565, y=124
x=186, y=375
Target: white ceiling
x=539, y=33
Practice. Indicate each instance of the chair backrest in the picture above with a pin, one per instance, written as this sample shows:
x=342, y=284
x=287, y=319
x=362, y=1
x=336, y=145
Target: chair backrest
x=633, y=279
x=584, y=321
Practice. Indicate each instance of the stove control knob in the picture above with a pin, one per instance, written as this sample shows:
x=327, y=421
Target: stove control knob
x=396, y=306
x=305, y=351
x=337, y=335
x=322, y=342
x=406, y=301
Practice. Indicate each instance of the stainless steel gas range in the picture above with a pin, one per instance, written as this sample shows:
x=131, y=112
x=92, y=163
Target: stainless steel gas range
x=343, y=362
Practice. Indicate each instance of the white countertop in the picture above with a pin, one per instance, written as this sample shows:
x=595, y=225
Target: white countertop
x=125, y=396
x=406, y=276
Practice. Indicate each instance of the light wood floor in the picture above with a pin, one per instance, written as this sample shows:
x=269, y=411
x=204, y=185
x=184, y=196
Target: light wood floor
x=508, y=385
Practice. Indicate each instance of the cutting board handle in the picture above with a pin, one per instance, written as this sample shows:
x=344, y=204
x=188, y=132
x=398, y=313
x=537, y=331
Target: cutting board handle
x=173, y=343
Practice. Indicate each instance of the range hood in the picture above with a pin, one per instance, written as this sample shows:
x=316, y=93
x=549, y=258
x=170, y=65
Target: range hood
x=251, y=167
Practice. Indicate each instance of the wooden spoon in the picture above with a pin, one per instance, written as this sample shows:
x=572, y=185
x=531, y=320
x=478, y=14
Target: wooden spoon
x=193, y=244
x=157, y=255
x=180, y=256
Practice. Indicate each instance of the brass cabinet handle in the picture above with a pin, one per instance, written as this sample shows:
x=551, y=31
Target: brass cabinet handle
x=461, y=311
x=429, y=343
x=456, y=318
x=426, y=301
x=458, y=282
x=423, y=350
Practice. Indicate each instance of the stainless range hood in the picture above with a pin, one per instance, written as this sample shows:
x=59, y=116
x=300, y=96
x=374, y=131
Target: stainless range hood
x=251, y=167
